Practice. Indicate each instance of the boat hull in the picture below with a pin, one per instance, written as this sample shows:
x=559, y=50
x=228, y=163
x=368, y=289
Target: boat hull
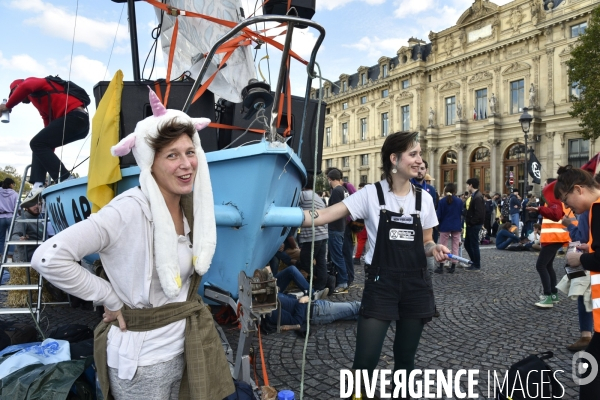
x=256, y=189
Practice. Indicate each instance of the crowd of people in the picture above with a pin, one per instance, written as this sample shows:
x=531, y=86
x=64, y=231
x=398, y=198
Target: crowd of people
x=399, y=228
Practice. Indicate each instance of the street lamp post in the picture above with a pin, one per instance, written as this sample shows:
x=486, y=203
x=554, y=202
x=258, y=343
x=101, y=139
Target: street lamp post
x=525, y=121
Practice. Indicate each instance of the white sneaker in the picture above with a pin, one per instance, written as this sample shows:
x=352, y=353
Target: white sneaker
x=320, y=294
x=32, y=197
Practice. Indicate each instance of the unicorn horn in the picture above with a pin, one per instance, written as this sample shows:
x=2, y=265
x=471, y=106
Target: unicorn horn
x=157, y=108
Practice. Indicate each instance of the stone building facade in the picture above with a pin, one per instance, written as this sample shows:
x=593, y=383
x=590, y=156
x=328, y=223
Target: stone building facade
x=464, y=91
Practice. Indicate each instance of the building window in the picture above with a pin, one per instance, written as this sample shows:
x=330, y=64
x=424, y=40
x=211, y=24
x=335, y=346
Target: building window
x=579, y=29
x=384, y=124
x=363, y=100
x=327, y=111
x=345, y=86
x=405, y=118
x=344, y=105
x=406, y=84
x=384, y=70
x=346, y=162
x=429, y=77
x=327, y=92
x=363, y=129
x=450, y=110
x=517, y=90
x=363, y=78
x=575, y=90
x=363, y=179
x=329, y=163
x=328, y=136
x=578, y=152
x=480, y=111
x=364, y=159
x=344, y=133
x=384, y=93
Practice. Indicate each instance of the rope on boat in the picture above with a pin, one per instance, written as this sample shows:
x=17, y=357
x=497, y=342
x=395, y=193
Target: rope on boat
x=62, y=144
x=312, y=75
x=113, y=45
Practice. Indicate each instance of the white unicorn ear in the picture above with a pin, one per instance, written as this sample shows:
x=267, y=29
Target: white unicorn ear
x=200, y=123
x=124, y=146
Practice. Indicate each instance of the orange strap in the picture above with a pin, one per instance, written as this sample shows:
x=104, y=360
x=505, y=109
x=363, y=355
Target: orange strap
x=158, y=91
x=262, y=359
x=171, y=54
x=224, y=126
x=247, y=32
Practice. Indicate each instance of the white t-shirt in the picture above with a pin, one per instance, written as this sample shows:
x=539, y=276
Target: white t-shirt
x=364, y=204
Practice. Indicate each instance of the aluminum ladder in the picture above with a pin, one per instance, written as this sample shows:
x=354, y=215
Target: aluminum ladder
x=4, y=264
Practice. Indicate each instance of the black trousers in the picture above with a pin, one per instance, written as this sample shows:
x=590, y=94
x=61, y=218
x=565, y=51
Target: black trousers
x=348, y=253
x=545, y=268
x=320, y=256
x=76, y=126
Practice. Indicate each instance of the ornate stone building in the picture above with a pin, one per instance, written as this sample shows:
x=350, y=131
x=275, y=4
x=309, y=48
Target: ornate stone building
x=464, y=91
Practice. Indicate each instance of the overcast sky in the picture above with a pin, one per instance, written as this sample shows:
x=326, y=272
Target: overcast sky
x=38, y=41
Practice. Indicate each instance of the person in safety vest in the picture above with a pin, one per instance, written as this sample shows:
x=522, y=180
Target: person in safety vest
x=553, y=237
x=65, y=121
x=578, y=191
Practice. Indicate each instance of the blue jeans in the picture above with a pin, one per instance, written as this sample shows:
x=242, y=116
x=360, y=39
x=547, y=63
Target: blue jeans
x=504, y=238
x=336, y=245
x=294, y=313
x=288, y=275
x=586, y=321
x=472, y=244
x=325, y=312
x=514, y=219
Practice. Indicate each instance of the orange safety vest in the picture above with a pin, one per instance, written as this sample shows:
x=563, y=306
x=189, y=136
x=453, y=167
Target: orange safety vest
x=595, y=279
x=555, y=232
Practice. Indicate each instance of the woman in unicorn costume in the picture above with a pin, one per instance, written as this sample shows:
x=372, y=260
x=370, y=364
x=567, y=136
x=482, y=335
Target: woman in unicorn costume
x=157, y=339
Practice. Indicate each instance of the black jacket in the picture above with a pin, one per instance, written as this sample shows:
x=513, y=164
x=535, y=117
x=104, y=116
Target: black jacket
x=476, y=212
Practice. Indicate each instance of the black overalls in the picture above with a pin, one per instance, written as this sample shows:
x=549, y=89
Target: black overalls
x=398, y=284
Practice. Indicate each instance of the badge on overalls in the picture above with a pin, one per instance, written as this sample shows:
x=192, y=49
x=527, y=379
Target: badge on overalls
x=405, y=219
x=402, y=234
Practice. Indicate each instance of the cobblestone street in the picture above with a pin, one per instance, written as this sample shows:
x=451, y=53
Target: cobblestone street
x=487, y=322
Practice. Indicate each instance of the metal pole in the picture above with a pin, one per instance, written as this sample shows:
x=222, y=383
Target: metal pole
x=526, y=171
x=135, y=55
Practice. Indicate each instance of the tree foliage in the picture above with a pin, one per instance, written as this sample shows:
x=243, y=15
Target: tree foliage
x=584, y=71
x=11, y=172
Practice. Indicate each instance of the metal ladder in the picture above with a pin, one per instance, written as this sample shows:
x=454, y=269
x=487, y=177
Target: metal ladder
x=36, y=309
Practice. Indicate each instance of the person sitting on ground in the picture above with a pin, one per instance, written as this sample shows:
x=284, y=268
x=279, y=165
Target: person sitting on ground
x=505, y=237
x=292, y=274
x=293, y=311
x=534, y=237
x=65, y=121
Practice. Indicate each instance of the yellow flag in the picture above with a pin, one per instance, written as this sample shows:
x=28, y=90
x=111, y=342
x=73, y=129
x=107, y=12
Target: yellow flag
x=104, y=168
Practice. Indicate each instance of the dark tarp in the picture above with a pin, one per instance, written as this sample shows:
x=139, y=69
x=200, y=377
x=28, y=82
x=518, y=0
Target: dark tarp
x=43, y=382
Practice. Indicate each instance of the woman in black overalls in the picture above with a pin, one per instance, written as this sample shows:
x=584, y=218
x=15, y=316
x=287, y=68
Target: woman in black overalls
x=397, y=285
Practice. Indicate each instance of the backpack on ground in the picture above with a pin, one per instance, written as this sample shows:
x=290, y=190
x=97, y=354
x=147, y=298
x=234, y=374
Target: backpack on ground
x=12, y=333
x=531, y=378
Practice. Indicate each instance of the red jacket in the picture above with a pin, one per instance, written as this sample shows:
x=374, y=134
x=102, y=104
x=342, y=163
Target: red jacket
x=553, y=209
x=58, y=100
